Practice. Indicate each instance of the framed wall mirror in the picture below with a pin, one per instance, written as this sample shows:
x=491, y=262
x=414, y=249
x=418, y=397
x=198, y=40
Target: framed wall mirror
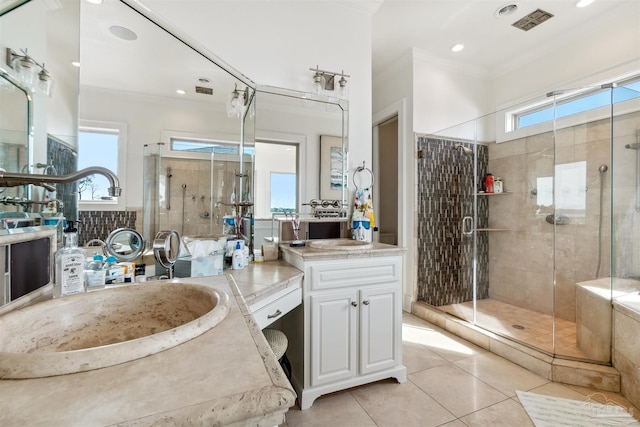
x=15, y=120
x=39, y=42
x=151, y=85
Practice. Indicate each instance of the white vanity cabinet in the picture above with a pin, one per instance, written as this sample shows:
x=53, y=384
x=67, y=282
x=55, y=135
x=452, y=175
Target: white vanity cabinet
x=352, y=333
x=352, y=317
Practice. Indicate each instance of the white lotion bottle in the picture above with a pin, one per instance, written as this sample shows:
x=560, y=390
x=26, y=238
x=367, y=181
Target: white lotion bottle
x=69, y=265
x=237, y=260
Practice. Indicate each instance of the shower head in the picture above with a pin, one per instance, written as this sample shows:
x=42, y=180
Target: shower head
x=465, y=150
x=603, y=168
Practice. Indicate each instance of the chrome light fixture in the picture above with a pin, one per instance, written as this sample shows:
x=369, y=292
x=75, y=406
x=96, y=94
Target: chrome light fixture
x=237, y=102
x=325, y=82
x=29, y=72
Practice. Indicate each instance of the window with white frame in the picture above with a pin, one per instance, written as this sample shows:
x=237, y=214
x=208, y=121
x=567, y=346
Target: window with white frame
x=101, y=144
x=574, y=102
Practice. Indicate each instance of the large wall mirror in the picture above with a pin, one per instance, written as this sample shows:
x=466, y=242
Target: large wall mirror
x=15, y=119
x=181, y=119
x=35, y=115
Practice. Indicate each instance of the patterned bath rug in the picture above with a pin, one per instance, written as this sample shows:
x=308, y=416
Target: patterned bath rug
x=549, y=411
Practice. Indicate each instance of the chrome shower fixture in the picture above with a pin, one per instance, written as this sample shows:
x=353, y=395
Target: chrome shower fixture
x=465, y=150
x=603, y=168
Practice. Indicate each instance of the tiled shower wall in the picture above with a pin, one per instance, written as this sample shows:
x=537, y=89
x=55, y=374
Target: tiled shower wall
x=522, y=259
x=445, y=195
x=65, y=161
x=197, y=199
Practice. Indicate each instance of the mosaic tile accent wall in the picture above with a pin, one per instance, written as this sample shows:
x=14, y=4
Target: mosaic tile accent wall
x=445, y=196
x=65, y=161
x=98, y=224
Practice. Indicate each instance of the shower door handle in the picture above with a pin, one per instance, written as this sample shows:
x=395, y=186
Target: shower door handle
x=467, y=225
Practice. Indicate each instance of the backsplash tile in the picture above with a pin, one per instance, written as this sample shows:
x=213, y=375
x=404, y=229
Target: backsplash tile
x=98, y=224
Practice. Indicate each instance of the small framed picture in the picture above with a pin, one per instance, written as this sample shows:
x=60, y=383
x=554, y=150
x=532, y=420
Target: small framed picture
x=333, y=178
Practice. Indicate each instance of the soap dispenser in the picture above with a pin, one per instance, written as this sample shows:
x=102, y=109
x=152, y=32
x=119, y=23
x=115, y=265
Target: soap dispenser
x=69, y=264
x=238, y=257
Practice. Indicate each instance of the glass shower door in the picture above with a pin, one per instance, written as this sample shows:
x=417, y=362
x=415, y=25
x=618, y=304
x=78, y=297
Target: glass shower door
x=447, y=220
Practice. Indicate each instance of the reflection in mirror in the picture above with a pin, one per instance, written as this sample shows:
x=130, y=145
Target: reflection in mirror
x=134, y=82
x=47, y=32
x=160, y=88
x=286, y=116
x=125, y=244
x=15, y=106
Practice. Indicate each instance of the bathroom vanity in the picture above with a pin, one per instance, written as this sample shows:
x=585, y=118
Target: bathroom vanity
x=348, y=330
x=226, y=376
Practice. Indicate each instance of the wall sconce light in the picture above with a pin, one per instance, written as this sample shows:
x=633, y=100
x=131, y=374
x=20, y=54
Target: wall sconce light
x=30, y=73
x=238, y=99
x=325, y=81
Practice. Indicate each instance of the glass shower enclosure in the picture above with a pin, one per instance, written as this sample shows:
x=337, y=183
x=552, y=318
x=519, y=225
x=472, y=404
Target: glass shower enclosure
x=201, y=188
x=541, y=261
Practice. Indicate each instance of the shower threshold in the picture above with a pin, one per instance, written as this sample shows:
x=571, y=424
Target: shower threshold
x=505, y=343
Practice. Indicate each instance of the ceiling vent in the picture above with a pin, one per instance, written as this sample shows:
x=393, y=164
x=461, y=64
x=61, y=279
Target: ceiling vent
x=204, y=90
x=532, y=20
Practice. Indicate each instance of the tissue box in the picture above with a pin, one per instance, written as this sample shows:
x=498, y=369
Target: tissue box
x=210, y=265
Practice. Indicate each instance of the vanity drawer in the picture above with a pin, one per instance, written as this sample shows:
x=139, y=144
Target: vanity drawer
x=281, y=305
x=353, y=272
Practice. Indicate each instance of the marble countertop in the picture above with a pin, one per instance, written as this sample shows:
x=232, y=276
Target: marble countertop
x=227, y=375
x=261, y=280
x=308, y=253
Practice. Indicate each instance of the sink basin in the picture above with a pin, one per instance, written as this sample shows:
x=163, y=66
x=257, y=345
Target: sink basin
x=103, y=328
x=340, y=245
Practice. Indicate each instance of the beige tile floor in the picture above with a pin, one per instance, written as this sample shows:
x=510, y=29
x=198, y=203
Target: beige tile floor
x=451, y=382
x=500, y=318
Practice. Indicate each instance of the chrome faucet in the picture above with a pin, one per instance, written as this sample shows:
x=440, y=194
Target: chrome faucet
x=8, y=179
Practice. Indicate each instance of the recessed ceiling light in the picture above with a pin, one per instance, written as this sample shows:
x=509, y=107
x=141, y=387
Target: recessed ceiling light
x=506, y=10
x=123, y=33
x=94, y=1
x=75, y=63
x=457, y=47
x=180, y=92
x=583, y=3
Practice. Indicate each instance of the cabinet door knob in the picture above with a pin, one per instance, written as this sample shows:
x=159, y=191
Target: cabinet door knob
x=276, y=314
x=353, y=303
x=365, y=302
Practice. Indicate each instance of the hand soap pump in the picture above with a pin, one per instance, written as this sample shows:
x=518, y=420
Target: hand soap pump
x=238, y=257
x=69, y=265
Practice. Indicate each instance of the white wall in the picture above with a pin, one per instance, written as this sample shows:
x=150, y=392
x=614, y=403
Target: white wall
x=393, y=96
x=595, y=53
x=446, y=93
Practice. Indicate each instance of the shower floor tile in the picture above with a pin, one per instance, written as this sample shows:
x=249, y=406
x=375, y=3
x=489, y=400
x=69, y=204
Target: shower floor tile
x=526, y=326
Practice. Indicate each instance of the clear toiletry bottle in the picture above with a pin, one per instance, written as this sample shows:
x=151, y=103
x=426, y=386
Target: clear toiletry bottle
x=94, y=273
x=114, y=273
x=69, y=265
x=497, y=185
